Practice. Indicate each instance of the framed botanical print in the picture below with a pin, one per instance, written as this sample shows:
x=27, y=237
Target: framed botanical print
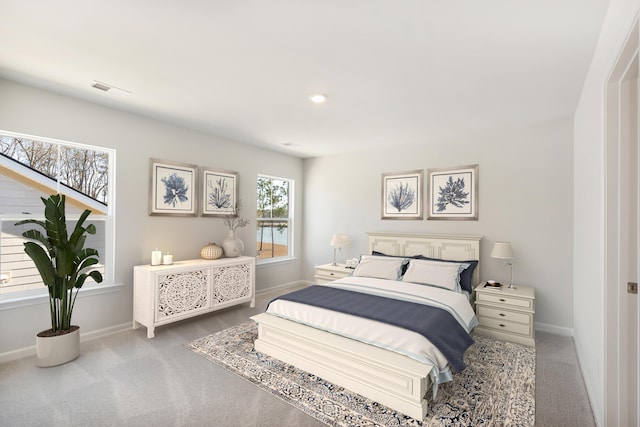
x=402, y=195
x=218, y=192
x=453, y=193
x=173, y=188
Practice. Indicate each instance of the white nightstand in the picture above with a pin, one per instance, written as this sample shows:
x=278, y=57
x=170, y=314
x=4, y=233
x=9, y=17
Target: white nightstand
x=506, y=314
x=328, y=273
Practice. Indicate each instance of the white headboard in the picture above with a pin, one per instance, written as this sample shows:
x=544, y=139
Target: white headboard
x=451, y=247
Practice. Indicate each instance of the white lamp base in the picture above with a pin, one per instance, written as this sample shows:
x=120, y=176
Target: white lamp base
x=511, y=279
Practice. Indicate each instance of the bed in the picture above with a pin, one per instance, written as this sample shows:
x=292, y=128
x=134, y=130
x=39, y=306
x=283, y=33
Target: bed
x=392, y=377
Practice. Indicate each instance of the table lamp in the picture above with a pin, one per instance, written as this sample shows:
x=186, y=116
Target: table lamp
x=502, y=251
x=338, y=241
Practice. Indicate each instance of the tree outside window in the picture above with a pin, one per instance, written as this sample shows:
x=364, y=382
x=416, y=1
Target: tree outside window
x=84, y=169
x=273, y=217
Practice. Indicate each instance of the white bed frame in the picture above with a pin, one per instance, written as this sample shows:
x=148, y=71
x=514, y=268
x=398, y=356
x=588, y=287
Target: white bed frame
x=389, y=378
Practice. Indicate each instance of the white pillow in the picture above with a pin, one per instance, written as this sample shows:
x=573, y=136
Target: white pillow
x=379, y=267
x=441, y=274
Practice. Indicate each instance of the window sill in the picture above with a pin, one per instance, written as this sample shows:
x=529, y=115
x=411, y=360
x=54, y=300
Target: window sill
x=11, y=301
x=274, y=262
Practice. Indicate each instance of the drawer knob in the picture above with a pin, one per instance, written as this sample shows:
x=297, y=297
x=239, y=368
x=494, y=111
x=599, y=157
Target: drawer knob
x=502, y=314
x=502, y=300
x=332, y=274
x=501, y=325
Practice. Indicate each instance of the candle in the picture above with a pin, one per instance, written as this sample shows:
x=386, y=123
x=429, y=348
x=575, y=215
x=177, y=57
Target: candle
x=167, y=259
x=156, y=257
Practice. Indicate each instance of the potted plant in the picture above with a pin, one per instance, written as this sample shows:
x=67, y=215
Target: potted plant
x=64, y=265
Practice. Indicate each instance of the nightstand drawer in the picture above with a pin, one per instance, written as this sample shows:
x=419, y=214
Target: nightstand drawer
x=505, y=300
x=331, y=275
x=502, y=325
x=328, y=273
x=510, y=316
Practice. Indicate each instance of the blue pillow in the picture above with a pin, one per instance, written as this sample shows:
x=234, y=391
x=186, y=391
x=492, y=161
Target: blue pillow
x=466, y=276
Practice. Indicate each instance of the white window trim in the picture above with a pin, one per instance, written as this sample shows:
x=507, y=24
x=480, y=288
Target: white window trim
x=12, y=300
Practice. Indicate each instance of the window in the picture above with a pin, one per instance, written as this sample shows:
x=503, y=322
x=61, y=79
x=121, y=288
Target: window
x=35, y=167
x=274, y=224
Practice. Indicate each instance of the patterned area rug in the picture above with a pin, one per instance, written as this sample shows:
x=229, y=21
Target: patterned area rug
x=496, y=389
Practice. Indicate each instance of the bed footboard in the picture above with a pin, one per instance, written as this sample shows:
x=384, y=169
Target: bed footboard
x=389, y=378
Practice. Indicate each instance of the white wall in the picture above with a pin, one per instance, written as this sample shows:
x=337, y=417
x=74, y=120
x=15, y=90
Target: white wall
x=589, y=204
x=37, y=112
x=525, y=197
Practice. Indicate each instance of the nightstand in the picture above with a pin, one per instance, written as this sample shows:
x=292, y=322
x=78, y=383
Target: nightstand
x=506, y=314
x=328, y=273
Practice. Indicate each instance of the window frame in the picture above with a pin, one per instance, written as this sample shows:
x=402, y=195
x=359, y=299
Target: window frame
x=12, y=299
x=290, y=221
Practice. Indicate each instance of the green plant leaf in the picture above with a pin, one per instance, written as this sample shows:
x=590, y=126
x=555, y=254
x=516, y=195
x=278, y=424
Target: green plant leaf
x=43, y=263
x=94, y=274
x=79, y=230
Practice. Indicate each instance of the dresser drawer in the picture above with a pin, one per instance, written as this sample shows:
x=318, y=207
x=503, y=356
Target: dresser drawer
x=498, y=313
x=505, y=300
x=503, y=325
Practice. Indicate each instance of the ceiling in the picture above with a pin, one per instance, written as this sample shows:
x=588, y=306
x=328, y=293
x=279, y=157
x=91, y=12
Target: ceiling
x=395, y=72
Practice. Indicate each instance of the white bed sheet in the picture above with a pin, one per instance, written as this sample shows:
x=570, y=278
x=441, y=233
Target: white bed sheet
x=394, y=338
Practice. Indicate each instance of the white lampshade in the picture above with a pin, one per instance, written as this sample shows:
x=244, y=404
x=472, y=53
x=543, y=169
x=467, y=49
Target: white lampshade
x=502, y=250
x=339, y=240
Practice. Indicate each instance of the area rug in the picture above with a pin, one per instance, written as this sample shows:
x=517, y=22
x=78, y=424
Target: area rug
x=497, y=388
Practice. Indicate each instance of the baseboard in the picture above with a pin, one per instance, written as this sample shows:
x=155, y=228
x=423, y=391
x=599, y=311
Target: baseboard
x=284, y=286
x=587, y=385
x=89, y=336
x=553, y=329
x=105, y=332
x=20, y=353
x=116, y=329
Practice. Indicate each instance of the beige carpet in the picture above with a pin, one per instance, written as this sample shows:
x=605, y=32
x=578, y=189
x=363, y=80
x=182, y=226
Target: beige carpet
x=496, y=389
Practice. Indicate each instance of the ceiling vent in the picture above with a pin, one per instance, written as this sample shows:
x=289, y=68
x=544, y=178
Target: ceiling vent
x=105, y=87
x=101, y=86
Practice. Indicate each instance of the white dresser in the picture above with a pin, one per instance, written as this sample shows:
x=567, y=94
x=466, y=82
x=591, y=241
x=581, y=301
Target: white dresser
x=506, y=314
x=167, y=293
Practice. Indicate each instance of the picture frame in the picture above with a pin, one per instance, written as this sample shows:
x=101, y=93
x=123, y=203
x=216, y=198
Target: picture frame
x=173, y=188
x=453, y=193
x=402, y=195
x=218, y=192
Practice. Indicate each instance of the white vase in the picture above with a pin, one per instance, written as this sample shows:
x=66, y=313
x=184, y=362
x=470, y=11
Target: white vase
x=232, y=246
x=58, y=349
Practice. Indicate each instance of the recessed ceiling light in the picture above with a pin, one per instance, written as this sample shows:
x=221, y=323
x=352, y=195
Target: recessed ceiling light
x=318, y=98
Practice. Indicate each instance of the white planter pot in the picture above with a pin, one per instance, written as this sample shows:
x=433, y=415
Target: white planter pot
x=59, y=349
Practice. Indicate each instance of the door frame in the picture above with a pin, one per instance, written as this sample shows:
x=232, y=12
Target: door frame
x=617, y=405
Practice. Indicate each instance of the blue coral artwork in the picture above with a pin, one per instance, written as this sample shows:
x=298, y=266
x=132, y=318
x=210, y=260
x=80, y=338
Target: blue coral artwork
x=453, y=193
x=219, y=192
x=172, y=188
x=402, y=195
